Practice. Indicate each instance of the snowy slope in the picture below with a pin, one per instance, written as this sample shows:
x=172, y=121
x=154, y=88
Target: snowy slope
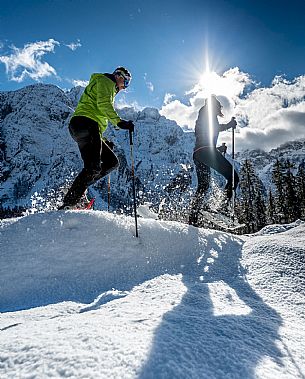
x=81, y=297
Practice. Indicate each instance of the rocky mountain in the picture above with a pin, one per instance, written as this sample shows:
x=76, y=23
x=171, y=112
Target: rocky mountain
x=38, y=158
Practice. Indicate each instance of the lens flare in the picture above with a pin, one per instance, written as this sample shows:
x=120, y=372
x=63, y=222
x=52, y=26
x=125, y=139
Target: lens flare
x=210, y=119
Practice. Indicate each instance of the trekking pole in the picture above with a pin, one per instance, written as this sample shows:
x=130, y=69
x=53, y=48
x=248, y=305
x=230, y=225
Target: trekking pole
x=133, y=182
x=109, y=192
x=233, y=176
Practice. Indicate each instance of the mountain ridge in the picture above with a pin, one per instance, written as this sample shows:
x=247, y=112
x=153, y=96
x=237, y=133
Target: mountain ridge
x=39, y=159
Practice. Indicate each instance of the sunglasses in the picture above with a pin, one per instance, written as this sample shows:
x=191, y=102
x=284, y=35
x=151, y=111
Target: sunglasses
x=126, y=79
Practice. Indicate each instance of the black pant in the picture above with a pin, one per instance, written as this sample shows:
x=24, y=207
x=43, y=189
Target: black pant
x=99, y=159
x=204, y=176
x=205, y=159
x=212, y=158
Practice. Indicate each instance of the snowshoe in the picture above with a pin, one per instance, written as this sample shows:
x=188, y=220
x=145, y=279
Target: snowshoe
x=83, y=204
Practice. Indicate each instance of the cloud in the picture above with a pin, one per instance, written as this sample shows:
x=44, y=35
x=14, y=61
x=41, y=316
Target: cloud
x=230, y=84
x=267, y=116
x=272, y=116
x=74, y=45
x=121, y=102
x=82, y=83
x=228, y=87
x=168, y=97
x=27, y=61
x=149, y=84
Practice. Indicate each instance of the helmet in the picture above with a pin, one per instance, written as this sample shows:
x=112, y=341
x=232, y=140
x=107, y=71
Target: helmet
x=215, y=101
x=216, y=105
x=122, y=71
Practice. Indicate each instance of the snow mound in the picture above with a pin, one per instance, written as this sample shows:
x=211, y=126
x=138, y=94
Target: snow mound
x=276, y=265
x=277, y=228
x=76, y=256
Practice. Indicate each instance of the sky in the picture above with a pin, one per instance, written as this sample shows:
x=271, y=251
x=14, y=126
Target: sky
x=177, y=302
x=167, y=46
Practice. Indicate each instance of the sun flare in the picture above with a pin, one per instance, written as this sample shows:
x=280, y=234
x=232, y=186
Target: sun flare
x=209, y=82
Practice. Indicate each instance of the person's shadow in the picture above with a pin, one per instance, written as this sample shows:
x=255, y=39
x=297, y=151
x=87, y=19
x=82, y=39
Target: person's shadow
x=199, y=338
x=220, y=329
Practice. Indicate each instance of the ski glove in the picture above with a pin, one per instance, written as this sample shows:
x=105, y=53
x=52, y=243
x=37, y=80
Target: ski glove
x=232, y=124
x=128, y=125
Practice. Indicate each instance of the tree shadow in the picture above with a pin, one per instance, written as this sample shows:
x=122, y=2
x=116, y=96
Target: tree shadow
x=193, y=341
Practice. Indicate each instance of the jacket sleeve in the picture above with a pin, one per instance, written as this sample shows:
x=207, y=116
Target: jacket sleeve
x=105, y=100
x=223, y=127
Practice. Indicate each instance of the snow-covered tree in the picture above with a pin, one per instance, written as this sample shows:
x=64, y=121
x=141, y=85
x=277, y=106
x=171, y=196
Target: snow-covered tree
x=271, y=210
x=300, y=189
x=251, y=208
x=278, y=180
x=291, y=202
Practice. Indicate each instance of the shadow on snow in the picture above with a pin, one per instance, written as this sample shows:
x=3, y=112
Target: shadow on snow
x=192, y=341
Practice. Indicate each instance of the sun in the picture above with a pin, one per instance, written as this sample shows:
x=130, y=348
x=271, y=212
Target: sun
x=209, y=81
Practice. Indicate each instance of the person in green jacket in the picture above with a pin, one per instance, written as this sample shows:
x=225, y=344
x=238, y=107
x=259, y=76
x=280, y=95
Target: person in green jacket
x=87, y=125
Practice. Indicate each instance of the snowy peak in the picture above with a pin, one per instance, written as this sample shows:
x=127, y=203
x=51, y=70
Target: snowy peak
x=146, y=115
x=39, y=157
x=149, y=114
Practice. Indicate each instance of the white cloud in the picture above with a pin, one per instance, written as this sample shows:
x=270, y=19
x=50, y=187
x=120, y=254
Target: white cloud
x=230, y=84
x=122, y=103
x=74, y=45
x=272, y=116
x=82, y=83
x=27, y=61
x=149, y=84
x=168, y=97
x=267, y=117
x=227, y=87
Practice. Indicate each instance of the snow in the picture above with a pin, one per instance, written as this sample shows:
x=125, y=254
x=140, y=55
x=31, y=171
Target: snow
x=82, y=297
x=144, y=210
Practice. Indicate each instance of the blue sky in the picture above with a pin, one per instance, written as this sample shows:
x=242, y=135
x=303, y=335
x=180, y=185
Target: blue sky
x=163, y=43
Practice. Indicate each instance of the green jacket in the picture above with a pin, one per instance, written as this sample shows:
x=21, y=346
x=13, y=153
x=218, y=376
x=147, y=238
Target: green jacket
x=97, y=102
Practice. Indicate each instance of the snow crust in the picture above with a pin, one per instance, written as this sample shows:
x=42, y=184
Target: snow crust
x=82, y=297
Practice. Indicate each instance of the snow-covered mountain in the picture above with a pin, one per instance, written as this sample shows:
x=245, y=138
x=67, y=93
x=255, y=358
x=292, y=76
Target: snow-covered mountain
x=263, y=161
x=38, y=158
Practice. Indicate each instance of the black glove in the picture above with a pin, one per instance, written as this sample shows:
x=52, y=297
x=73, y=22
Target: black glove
x=128, y=125
x=232, y=124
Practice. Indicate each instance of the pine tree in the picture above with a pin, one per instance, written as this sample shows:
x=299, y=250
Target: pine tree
x=271, y=210
x=261, y=209
x=251, y=206
x=300, y=189
x=291, y=201
x=278, y=180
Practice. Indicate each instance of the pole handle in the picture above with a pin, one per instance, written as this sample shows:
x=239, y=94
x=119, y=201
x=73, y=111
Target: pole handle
x=130, y=138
